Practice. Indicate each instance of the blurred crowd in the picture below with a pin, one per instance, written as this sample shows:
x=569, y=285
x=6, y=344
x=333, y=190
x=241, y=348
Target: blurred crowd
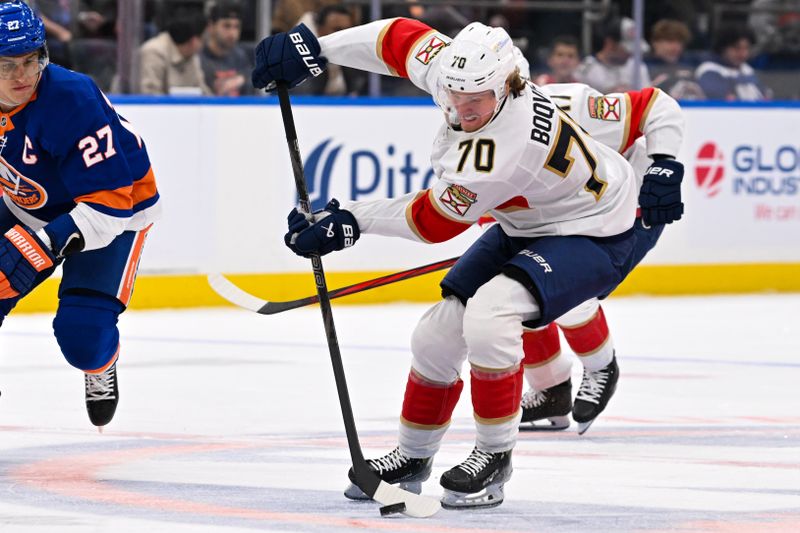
x=734, y=50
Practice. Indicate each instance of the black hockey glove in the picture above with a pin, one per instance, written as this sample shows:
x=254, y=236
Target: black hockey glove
x=660, y=195
x=291, y=56
x=334, y=229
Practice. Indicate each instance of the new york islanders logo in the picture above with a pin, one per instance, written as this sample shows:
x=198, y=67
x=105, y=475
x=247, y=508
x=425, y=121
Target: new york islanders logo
x=23, y=191
x=428, y=51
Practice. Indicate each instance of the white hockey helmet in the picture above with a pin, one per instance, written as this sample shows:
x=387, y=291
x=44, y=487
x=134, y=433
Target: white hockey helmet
x=479, y=59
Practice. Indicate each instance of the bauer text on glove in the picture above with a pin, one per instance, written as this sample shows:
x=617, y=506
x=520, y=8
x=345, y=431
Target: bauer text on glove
x=660, y=195
x=291, y=56
x=334, y=229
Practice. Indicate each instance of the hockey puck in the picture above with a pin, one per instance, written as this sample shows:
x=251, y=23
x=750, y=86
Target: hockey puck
x=394, y=508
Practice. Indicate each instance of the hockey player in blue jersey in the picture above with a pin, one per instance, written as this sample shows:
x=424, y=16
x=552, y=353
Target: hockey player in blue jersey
x=78, y=190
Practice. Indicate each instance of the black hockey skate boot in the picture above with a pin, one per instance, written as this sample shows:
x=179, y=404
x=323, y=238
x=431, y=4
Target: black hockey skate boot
x=595, y=391
x=552, y=405
x=395, y=468
x=102, y=395
x=478, y=481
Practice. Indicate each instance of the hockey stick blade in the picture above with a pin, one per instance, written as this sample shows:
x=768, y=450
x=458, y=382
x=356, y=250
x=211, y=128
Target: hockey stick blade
x=241, y=298
x=416, y=505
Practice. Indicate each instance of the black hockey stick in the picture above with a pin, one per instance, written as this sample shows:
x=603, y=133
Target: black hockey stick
x=367, y=480
x=237, y=296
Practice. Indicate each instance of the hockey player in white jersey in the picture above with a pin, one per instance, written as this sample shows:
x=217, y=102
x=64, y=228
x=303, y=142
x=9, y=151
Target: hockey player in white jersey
x=646, y=127
x=565, y=207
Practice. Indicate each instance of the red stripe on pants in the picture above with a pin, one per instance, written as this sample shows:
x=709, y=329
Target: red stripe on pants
x=430, y=404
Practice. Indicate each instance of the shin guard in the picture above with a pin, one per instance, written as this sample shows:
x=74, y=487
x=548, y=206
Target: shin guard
x=427, y=408
x=591, y=341
x=496, y=400
x=545, y=367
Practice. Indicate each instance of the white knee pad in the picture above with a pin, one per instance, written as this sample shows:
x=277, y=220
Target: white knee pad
x=493, y=322
x=579, y=314
x=438, y=342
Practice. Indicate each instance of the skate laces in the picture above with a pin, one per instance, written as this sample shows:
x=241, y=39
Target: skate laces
x=592, y=386
x=533, y=398
x=476, y=462
x=391, y=461
x=100, y=386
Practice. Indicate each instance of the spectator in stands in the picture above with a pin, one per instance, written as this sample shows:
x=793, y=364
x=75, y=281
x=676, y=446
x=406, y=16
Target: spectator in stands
x=669, y=67
x=226, y=66
x=563, y=61
x=777, y=27
x=611, y=67
x=57, y=18
x=97, y=19
x=728, y=76
x=287, y=13
x=339, y=80
x=170, y=63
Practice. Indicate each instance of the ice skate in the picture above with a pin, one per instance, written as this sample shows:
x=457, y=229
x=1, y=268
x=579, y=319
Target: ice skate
x=595, y=391
x=394, y=468
x=102, y=395
x=550, y=407
x=477, y=482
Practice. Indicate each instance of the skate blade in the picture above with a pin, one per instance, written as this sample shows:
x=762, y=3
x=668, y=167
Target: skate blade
x=352, y=492
x=491, y=496
x=554, y=423
x=584, y=426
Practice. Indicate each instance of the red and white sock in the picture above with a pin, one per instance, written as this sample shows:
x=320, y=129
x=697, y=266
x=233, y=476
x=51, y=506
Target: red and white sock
x=589, y=338
x=544, y=365
x=496, y=397
x=427, y=409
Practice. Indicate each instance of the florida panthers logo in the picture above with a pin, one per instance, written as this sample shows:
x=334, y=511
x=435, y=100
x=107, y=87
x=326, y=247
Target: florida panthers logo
x=23, y=191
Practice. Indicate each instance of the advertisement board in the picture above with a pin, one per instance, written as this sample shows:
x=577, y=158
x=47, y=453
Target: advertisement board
x=223, y=170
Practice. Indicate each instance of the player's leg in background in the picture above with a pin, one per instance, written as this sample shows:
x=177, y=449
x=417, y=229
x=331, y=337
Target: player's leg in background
x=96, y=288
x=586, y=331
x=565, y=273
x=547, y=371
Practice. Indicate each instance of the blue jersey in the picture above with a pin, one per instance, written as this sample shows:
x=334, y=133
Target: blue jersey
x=68, y=151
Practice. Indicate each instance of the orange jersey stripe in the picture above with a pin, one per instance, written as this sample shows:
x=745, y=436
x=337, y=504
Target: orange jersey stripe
x=428, y=221
x=126, y=288
x=106, y=366
x=397, y=41
x=117, y=199
x=640, y=104
x=145, y=188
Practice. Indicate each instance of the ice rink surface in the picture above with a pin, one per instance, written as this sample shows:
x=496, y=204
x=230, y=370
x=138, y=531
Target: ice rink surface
x=229, y=422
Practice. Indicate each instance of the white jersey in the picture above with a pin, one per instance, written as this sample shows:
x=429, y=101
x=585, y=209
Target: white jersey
x=532, y=167
x=636, y=124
